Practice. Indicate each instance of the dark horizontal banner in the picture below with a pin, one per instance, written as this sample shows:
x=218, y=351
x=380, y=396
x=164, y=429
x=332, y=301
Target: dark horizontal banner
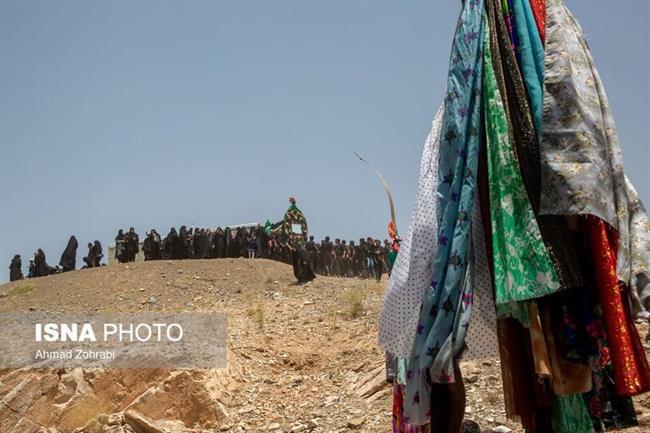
x=119, y=340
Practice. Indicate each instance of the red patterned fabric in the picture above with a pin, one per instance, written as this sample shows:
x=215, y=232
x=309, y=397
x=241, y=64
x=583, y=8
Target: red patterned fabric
x=539, y=11
x=631, y=370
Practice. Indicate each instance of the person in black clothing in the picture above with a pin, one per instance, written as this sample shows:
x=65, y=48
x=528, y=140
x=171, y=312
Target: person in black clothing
x=360, y=259
x=196, y=244
x=89, y=260
x=132, y=245
x=99, y=253
x=15, y=269
x=327, y=255
x=251, y=245
x=310, y=248
x=31, y=273
x=227, y=236
x=261, y=239
x=120, y=247
x=369, y=249
x=151, y=246
x=240, y=242
x=202, y=245
x=172, y=246
x=219, y=244
x=338, y=258
x=378, y=260
x=41, y=268
x=68, y=260
x=345, y=259
x=301, y=269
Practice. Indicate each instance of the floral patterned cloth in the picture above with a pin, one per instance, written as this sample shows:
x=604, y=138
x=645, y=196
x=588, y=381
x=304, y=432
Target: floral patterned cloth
x=447, y=304
x=522, y=267
x=582, y=167
x=639, y=251
x=401, y=422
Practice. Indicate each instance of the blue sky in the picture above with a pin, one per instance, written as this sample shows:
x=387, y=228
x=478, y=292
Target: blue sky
x=155, y=114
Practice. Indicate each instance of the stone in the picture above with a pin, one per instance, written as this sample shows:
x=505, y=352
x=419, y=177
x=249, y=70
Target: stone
x=470, y=426
x=471, y=379
x=356, y=422
x=501, y=429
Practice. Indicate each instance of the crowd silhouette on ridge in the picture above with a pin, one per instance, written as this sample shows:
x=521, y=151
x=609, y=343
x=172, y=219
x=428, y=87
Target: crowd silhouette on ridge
x=365, y=259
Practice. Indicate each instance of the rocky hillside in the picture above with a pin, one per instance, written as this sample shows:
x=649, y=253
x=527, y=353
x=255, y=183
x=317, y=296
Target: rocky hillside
x=300, y=358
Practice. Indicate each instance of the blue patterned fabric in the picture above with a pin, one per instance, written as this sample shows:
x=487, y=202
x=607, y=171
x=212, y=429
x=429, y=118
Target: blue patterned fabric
x=446, y=305
x=531, y=55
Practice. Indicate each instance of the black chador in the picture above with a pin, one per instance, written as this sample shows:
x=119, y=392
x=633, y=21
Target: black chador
x=89, y=260
x=151, y=247
x=262, y=240
x=132, y=245
x=301, y=269
x=99, y=253
x=186, y=250
x=227, y=236
x=41, y=268
x=68, y=260
x=120, y=247
x=16, y=269
x=219, y=243
x=173, y=245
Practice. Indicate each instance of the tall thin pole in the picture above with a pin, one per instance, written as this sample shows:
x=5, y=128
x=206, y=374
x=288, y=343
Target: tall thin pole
x=386, y=188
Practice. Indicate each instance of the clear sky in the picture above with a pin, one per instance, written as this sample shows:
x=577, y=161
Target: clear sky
x=155, y=114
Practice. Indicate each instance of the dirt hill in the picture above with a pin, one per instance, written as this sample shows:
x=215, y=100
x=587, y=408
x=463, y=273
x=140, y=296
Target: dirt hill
x=300, y=358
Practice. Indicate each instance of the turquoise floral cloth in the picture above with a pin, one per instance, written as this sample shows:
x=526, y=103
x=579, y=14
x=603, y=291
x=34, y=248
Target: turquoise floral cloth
x=446, y=305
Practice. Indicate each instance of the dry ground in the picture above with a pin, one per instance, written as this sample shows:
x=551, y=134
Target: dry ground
x=301, y=358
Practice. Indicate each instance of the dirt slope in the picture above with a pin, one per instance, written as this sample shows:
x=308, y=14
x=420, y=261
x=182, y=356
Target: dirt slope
x=301, y=358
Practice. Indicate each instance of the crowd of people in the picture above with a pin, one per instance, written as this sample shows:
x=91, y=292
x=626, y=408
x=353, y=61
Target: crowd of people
x=38, y=266
x=366, y=259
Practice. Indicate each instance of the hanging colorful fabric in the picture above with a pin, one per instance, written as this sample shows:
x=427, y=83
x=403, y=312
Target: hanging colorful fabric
x=411, y=274
x=582, y=166
x=554, y=230
x=522, y=267
x=532, y=57
x=570, y=415
x=539, y=11
x=631, y=370
x=440, y=334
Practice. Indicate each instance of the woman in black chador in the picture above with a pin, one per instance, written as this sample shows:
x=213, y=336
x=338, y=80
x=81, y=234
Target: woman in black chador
x=218, y=244
x=41, y=268
x=99, y=253
x=68, y=260
x=227, y=237
x=172, y=245
x=151, y=246
x=301, y=269
x=16, y=269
